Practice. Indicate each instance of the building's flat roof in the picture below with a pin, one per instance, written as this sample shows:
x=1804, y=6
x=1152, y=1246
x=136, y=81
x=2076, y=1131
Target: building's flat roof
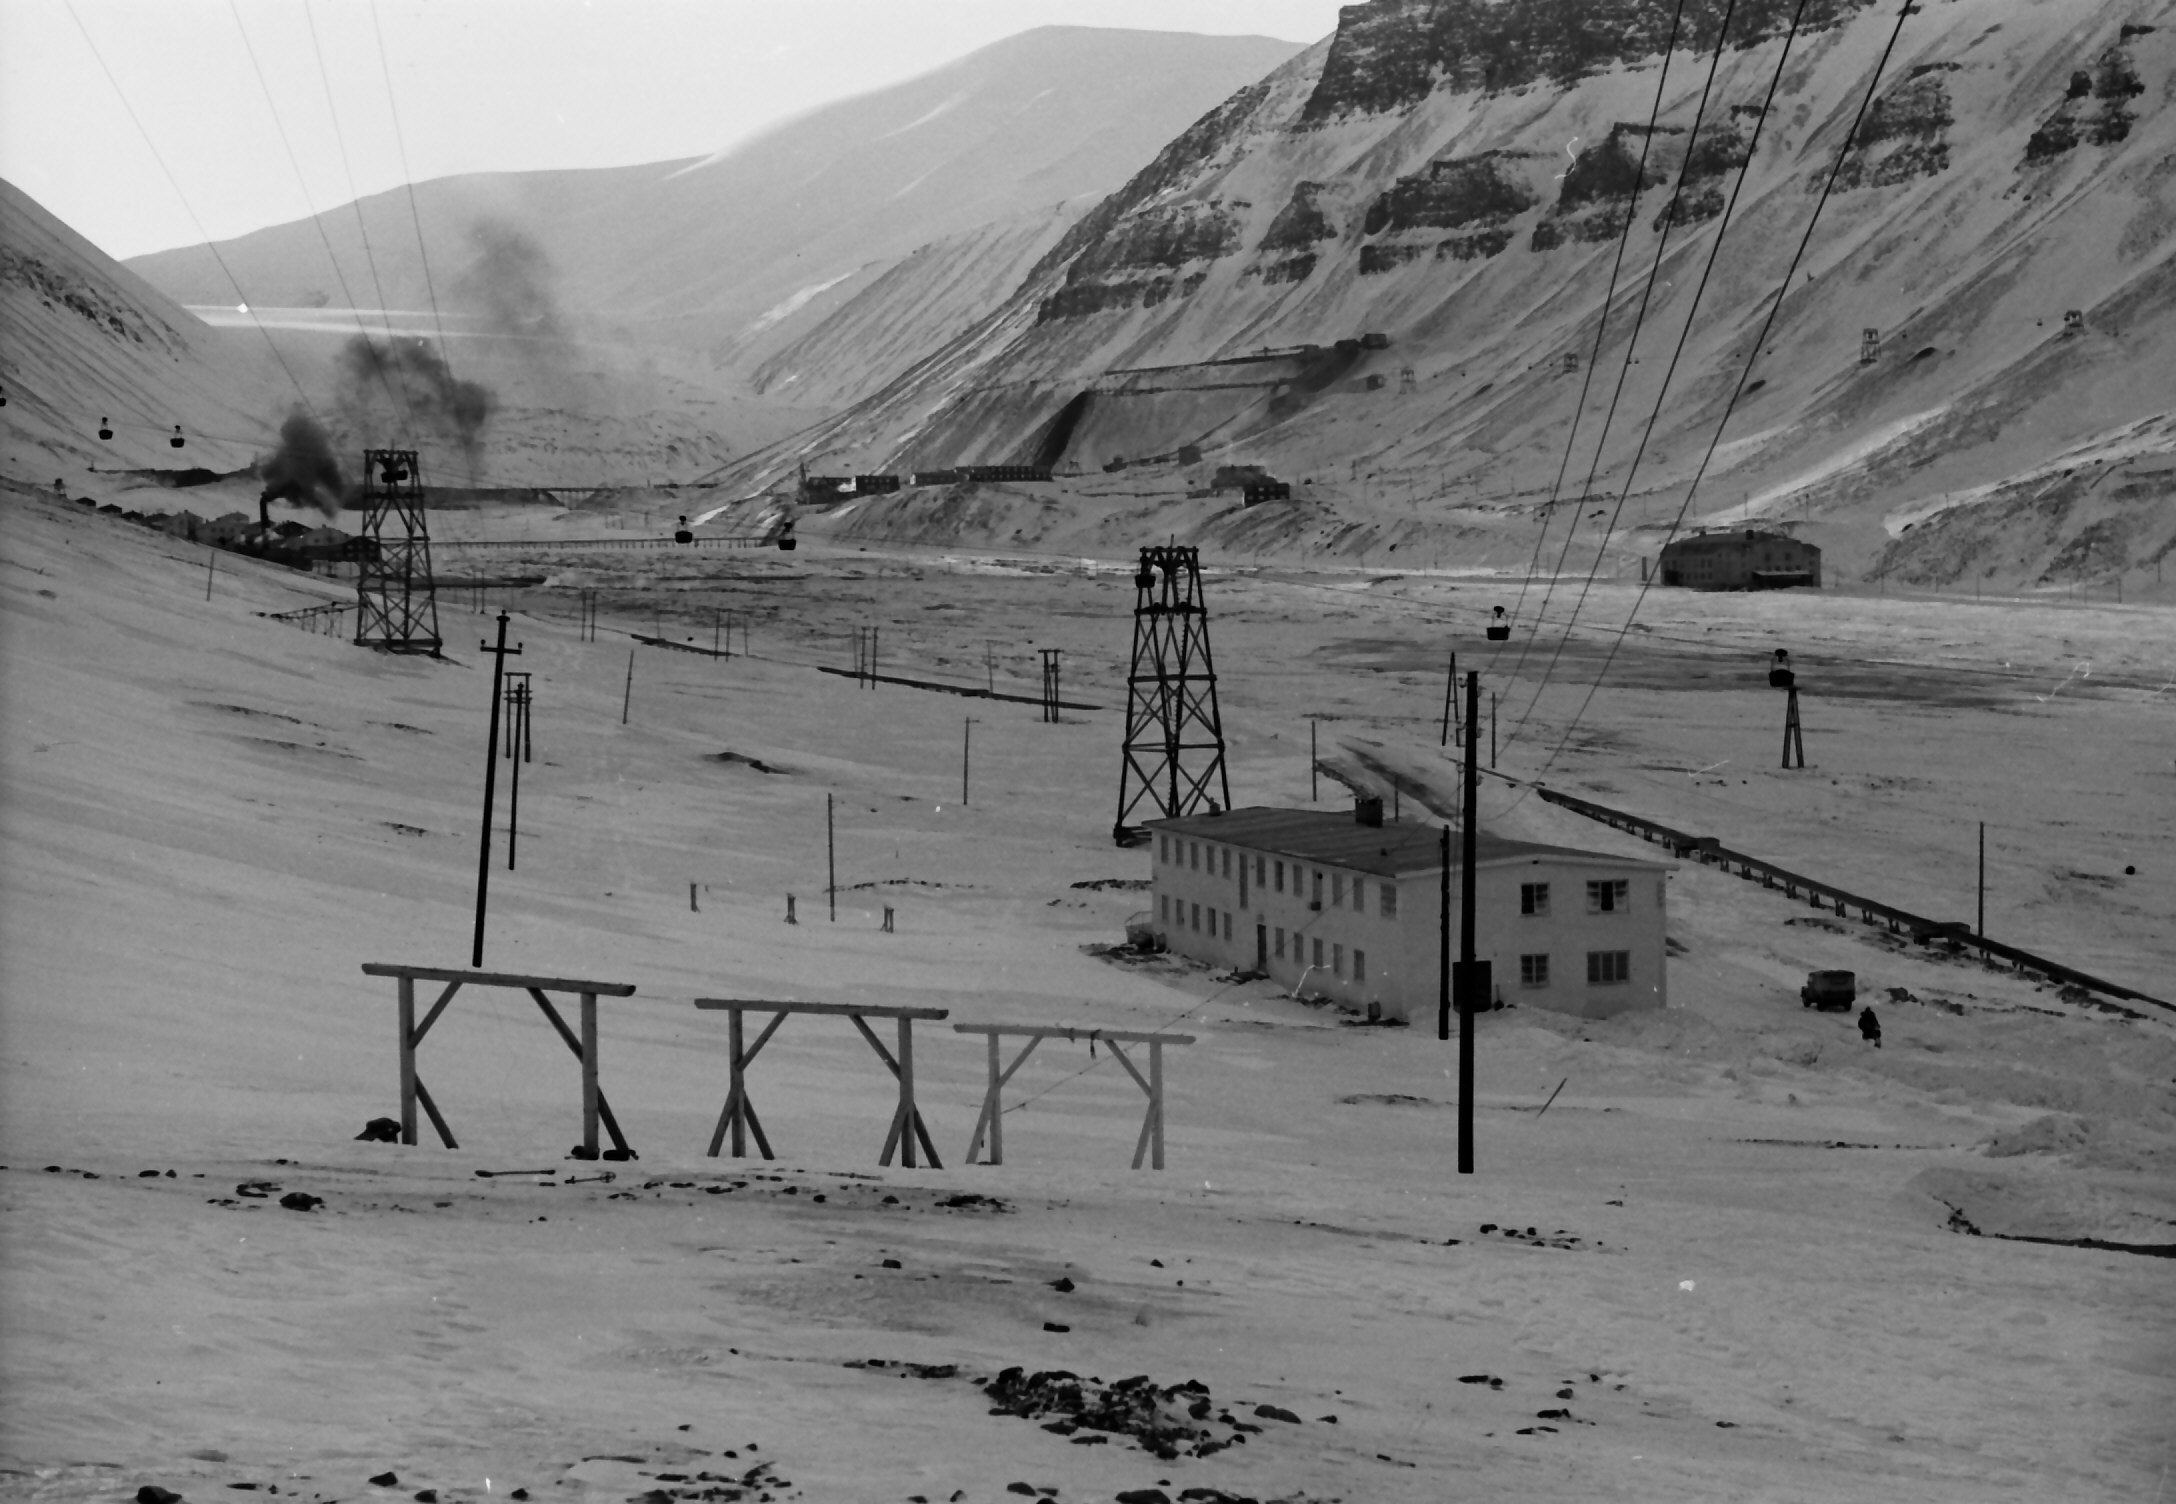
x=1707, y=542
x=1392, y=849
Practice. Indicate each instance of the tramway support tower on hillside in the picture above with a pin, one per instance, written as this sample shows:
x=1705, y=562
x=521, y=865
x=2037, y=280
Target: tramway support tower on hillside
x=1174, y=750
x=396, y=597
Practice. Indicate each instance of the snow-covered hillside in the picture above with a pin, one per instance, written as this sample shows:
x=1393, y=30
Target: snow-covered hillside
x=1455, y=179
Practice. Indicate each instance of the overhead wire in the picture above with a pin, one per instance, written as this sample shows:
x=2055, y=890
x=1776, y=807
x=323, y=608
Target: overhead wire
x=1647, y=292
x=1601, y=328
x=415, y=214
x=1775, y=306
x=355, y=200
x=190, y=209
x=317, y=220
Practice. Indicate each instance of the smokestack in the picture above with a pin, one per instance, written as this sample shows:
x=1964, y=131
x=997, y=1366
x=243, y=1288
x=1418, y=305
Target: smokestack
x=301, y=470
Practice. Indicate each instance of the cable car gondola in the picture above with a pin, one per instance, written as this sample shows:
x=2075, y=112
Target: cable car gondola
x=176, y=441
x=681, y=534
x=105, y=429
x=1779, y=673
x=1499, y=630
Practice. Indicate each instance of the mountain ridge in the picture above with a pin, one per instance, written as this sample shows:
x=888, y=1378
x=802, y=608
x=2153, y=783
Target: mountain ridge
x=2013, y=167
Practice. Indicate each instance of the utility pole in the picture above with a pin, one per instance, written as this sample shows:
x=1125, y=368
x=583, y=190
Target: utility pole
x=1982, y=927
x=1314, y=769
x=1472, y=986
x=1492, y=729
x=967, y=741
x=516, y=753
x=627, y=699
x=1050, y=684
x=1450, y=699
x=499, y=656
x=831, y=860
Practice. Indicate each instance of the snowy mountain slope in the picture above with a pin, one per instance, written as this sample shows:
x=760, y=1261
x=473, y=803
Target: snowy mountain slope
x=700, y=252
x=1461, y=192
x=83, y=339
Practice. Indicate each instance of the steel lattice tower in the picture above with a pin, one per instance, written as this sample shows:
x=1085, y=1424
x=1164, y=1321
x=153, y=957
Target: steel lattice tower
x=1174, y=751
x=396, y=596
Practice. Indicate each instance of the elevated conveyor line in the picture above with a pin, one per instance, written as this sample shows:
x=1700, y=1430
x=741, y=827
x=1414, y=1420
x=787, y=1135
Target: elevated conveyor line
x=1826, y=895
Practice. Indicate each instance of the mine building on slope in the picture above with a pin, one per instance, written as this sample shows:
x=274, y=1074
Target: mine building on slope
x=1346, y=907
x=1748, y=560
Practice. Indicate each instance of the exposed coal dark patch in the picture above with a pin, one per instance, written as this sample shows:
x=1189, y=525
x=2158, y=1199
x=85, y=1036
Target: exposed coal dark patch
x=746, y=761
x=252, y=710
x=267, y=741
x=1118, y=884
x=1959, y=1222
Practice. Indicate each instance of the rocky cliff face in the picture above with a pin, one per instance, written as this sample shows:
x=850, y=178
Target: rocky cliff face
x=1457, y=177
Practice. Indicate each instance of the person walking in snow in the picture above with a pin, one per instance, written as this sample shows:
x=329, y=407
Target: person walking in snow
x=1870, y=1028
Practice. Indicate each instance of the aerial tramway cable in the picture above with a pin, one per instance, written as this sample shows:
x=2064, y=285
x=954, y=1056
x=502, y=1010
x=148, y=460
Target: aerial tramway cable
x=1647, y=292
x=1775, y=305
x=1601, y=329
x=317, y=220
x=190, y=209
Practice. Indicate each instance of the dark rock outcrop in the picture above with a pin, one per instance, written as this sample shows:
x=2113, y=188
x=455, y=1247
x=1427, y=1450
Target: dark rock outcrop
x=1391, y=54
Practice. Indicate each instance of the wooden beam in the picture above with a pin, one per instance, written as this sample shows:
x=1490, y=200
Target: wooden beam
x=437, y=1008
x=866, y=1010
x=407, y=1021
x=423, y=1095
x=1056, y=1031
x=497, y=979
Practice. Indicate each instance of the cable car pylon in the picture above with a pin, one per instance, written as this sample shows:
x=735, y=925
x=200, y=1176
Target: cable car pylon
x=1174, y=747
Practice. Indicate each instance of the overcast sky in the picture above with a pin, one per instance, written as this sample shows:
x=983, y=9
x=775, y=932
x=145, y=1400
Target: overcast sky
x=470, y=85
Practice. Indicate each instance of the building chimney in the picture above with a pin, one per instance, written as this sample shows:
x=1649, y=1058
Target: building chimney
x=1367, y=810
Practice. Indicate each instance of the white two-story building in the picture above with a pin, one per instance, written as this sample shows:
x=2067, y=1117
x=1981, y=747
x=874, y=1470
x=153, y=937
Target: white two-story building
x=1347, y=907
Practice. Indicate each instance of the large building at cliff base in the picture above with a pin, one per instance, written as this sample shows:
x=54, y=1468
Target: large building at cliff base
x=1346, y=907
x=1747, y=560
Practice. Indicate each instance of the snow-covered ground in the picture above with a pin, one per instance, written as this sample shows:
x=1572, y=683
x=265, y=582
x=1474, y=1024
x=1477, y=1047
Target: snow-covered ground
x=1728, y=1263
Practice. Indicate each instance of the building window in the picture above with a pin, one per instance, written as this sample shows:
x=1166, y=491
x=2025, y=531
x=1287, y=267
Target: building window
x=1193, y=855
x=1318, y=952
x=1280, y=877
x=1534, y=898
x=1227, y=924
x=1163, y=849
x=1197, y=919
x=1317, y=895
x=1337, y=960
x=1359, y=964
x=1389, y=901
x=1280, y=943
x=1227, y=864
x=1163, y=908
x=1534, y=971
x=1359, y=895
x=1259, y=863
x=1606, y=967
x=1609, y=897
x=1337, y=890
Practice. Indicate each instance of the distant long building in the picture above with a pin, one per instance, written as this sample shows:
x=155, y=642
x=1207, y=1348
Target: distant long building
x=1749, y=560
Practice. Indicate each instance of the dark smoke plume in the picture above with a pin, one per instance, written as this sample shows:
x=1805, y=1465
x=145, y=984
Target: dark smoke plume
x=302, y=470
x=510, y=282
x=390, y=380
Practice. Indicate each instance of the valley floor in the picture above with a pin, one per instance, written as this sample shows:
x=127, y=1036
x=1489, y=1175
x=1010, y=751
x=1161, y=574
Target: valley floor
x=1731, y=1260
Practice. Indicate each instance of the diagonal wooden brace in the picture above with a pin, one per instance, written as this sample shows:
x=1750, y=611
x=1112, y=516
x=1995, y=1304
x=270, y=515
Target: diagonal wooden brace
x=992, y=1119
x=591, y=1093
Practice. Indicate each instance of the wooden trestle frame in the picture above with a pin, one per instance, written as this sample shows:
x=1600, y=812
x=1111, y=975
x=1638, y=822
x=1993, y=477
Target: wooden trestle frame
x=991, y=1124
x=739, y=1116
x=412, y=1090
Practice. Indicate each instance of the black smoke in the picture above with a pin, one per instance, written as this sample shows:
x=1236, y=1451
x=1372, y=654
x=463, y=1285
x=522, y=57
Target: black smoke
x=302, y=470
x=401, y=384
